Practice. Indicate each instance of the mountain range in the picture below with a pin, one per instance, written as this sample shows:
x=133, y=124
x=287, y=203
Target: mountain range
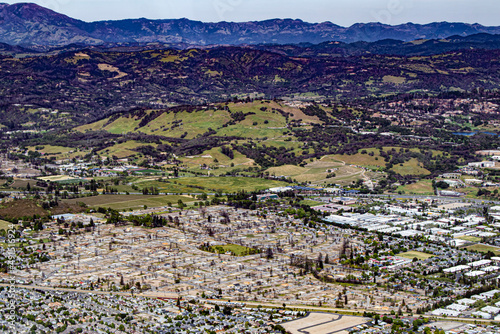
x=31, y=25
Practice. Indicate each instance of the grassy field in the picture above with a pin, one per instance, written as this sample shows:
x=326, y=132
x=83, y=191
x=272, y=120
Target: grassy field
x=214, y=157
x=393, y=79
x=469, y=238
x=165, y=186
x=362, y=159
x=51, y=150
x=123, y=150
x=422, y=187
x=316, y=171
x=230, y=184
x=415, y=254
x=411, y=167
x=4, y=225
x=124, y=202
x=237, y=250
x=484, y=248
x=58, y=178
x=262, y=121
x=310, y=202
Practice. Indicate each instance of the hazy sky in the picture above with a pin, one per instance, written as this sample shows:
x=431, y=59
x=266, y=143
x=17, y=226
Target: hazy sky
x=341, y=12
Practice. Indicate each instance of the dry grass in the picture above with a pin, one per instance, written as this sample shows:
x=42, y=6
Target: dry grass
x=415, y=254
x=411, y=167
x=422, y=187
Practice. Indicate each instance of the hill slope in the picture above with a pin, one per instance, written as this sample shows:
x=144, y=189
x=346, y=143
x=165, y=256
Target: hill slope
x=86, y=85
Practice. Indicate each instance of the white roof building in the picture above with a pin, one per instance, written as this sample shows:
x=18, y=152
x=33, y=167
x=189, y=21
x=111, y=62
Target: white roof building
x=479, y=263
x=491, y=310
x=457, y=307
x=475, y=273
x=456, y=269
x=483, y=315
x=449, y=313
x=491, y=269
x=466, y=301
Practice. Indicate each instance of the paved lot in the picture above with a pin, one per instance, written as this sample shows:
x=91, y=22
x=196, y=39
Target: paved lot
x=324, y=323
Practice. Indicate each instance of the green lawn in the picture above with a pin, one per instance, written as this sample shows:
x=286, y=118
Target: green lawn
x=310, y=202
x=236, y=250
x=415, y=254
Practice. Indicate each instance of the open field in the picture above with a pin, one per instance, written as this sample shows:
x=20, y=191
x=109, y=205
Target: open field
x=58, y=178
x=412, y=167
x=317, y=171
x=237, y=250
x=484, y=248
x=324, y=323
x=27, y=208
x=311, y=203
x=21, y=183
x=469, y=238
x=261, y=121
x=230, y=184
x=362, y=159
x=164, y=186
x=123, y=150
x=415, y=254
x=124, y=202
x=51, y=150
x=214, y=157
x=422, y=187
x=4, y=225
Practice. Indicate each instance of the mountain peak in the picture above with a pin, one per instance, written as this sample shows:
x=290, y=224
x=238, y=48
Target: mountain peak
x=31, y=24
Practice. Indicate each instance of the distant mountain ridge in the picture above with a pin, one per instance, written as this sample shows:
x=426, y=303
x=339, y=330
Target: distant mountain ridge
x=31, y=25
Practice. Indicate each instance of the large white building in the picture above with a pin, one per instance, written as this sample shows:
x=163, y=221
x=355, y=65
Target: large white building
x=482, y=164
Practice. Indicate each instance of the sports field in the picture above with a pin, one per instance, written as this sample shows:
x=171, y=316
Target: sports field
x=484, y=248
x=415, y=254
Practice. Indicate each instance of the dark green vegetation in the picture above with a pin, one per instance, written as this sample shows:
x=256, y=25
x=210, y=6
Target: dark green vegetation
x=329, y=113
x=79, y=86
x=235, y=250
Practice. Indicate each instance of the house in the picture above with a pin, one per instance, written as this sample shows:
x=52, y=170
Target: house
x=451, y=175
x=482, y=164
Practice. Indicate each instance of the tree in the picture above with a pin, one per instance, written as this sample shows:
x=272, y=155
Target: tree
x=269, y=253
x=181, y=204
